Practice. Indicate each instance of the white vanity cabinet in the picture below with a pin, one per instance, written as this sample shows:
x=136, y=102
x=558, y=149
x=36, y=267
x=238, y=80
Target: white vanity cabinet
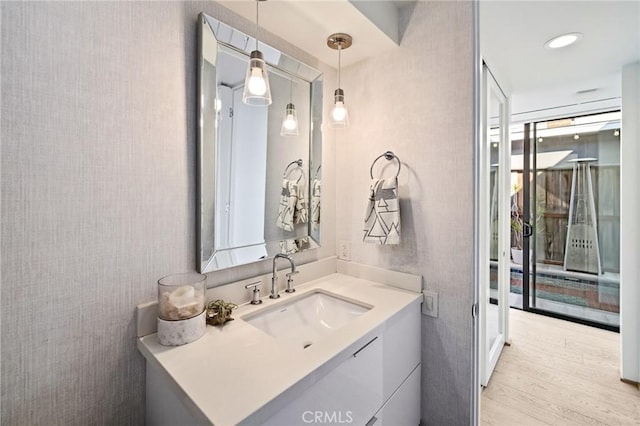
x=378, y=383
x=366, y=372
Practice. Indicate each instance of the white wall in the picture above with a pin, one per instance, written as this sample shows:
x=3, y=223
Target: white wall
x=98, y=192
x=417, y=101
x=98, y=132
x=629, y=214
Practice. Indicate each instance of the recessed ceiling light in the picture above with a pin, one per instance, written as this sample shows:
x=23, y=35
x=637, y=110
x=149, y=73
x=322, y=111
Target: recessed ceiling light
x=563, y=40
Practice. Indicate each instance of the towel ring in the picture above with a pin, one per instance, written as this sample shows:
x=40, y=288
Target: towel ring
x=388, y=156
x=296, y=163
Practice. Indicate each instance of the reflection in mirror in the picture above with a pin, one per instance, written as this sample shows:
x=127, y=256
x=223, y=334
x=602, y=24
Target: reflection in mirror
x=259, y=190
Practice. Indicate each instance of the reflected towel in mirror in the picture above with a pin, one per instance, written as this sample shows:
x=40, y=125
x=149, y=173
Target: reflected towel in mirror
x=382, y=217
x=301, y=212
x=293, y=206
x=294, y=245
x=288, y=246
x=315, y=204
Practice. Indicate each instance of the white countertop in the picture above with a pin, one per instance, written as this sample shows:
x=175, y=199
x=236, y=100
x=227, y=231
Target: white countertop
x=232, y=372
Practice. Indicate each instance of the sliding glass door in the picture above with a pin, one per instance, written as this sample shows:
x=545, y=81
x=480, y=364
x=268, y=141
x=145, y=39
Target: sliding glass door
x=565, y=215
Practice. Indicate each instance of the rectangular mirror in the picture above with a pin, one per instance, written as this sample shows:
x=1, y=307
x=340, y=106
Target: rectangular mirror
x=258, y=191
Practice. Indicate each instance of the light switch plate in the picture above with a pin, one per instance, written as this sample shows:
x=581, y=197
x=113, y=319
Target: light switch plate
x=344, y=250
x=430, y=303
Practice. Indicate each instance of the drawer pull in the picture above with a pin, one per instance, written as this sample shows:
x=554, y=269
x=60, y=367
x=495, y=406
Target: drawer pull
x=355, y=354
x=372, y=421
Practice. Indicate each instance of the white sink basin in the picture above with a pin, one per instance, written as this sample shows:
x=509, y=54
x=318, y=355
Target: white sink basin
x=306, y=319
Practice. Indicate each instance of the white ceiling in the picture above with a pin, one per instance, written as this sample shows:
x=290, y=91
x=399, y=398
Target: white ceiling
x=307, y=24
x=512, y=37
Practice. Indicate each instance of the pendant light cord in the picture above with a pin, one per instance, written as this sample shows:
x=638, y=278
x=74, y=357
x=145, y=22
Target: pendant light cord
x=339, y=65
x=257, y=22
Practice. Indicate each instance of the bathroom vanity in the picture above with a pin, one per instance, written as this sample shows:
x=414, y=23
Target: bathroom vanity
x=340, y=350
x=344, y=347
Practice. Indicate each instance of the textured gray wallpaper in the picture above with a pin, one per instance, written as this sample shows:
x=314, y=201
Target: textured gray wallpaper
x=98, y=196
x=417, y=101
x=98, y=192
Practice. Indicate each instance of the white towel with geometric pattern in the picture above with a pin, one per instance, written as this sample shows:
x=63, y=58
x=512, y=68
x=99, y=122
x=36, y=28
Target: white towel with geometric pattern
x=293, y=206
x=382, y=216
x=315, y=204
x=287, y=206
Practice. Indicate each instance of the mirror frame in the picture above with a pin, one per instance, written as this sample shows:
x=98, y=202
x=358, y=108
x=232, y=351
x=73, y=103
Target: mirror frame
x=230, y=39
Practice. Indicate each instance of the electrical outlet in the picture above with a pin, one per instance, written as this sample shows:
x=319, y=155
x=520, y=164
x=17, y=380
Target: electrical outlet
x=344, y=250
x=430, y=303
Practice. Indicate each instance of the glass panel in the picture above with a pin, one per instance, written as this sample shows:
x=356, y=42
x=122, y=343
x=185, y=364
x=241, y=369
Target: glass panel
x=516, y=192
x=493, y=317
x=575, y=213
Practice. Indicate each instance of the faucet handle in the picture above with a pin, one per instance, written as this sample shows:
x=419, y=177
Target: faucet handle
x=255, y=300
x=290, y=275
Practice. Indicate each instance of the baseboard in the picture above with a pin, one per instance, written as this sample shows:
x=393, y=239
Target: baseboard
x=630, y=382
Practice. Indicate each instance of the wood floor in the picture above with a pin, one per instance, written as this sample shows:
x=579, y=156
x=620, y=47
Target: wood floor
x=558, y=373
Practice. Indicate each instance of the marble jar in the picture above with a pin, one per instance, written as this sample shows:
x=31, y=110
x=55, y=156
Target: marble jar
x=181, y=311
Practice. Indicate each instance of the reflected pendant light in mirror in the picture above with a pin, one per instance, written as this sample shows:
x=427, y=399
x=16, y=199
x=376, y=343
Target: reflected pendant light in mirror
x=256, y=84
x=339, y=114
x=290, y=120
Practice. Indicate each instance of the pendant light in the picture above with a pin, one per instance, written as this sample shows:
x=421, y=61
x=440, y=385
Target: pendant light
x=256, y=84
x=290, y=120
x=339, y=114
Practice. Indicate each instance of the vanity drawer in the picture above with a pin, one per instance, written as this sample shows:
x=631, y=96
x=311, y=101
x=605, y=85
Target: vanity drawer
x=350, y=394
x=371, y=375
x=403, y=408
x=401, y=347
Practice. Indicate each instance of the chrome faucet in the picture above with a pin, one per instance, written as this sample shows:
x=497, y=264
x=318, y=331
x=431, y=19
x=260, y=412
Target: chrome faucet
x=274, y=277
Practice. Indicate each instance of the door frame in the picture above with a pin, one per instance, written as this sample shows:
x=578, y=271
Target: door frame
x=489, y=356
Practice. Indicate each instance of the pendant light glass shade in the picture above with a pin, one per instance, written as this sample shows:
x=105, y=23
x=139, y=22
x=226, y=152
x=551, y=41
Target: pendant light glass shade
x=339, y=117
x=256, y=84
x=339, y=113
x=289, y=122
